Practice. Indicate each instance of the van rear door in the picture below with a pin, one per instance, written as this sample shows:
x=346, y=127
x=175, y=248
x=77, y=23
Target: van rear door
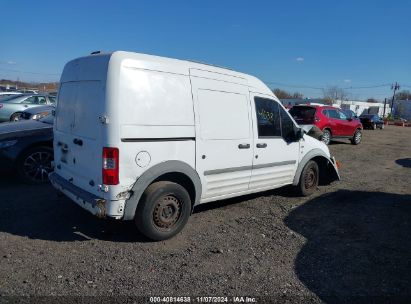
x=78, y=133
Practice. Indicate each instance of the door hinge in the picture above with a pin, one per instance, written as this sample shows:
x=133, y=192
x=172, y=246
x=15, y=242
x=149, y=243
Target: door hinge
x=103, y=119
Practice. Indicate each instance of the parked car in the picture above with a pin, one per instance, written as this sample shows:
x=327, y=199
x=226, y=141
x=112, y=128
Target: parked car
x=6, y=95
x=351, y=114
x=37, y=112
x=330, y=120
x=152, y=137
x=12, y=107
x=26, y=148
x=29, y=91
x=372, y=121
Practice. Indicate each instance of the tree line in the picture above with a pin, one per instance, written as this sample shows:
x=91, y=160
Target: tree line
x=333, y=93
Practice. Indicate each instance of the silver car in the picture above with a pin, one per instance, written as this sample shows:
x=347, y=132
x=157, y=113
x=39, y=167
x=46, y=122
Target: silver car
x=12, y=107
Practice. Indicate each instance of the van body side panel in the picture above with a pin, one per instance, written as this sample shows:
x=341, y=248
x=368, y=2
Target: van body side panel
x=152, y=98
x=138, y=157
x=151, y=117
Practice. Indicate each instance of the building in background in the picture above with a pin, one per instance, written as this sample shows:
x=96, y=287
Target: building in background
x=363, y=107
x=358, y=107
x=402, y=109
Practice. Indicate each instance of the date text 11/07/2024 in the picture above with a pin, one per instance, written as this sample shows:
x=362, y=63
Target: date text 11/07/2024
x=203, y=299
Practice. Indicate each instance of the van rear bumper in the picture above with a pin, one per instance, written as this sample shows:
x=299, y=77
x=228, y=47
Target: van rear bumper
x=94, y=204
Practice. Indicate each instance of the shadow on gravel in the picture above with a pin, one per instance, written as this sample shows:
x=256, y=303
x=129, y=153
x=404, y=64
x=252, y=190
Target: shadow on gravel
x=358, y=244
x=38, y=212
x=405, y=162
x=287, y=191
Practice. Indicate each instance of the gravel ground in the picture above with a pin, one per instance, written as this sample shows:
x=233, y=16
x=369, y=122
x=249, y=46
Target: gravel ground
x=351, y=238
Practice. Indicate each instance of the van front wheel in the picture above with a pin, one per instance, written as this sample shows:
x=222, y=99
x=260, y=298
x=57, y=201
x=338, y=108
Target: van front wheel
x=309, y=179
x=163, y=211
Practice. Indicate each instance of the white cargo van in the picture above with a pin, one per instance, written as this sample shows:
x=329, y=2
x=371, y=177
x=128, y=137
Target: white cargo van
x=146, y=138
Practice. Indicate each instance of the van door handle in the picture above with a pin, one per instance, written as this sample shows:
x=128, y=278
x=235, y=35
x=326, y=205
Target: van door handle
x=262, y=145
x=77, y=141
x=244, y=146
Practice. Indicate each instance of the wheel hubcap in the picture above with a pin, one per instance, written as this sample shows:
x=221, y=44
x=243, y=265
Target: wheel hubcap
x=326, y=137
x=37, y=166
x=167, y=212
x=310, y=179
x=358, y=137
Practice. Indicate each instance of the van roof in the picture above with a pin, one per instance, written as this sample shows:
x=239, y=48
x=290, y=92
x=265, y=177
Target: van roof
x=178, y=66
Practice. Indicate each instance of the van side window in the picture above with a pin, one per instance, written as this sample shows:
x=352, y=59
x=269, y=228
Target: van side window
x=287, y=125
x=268, y=117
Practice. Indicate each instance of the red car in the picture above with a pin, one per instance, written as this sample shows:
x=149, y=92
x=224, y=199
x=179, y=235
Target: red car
x=331, y=121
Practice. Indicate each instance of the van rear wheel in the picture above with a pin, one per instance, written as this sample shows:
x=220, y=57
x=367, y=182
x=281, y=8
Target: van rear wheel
x=163, y=210
x=309, y=179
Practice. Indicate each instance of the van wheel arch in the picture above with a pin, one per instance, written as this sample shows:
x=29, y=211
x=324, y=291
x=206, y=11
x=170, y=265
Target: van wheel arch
x=181, y=179
x=172, y=171
x=327, y=173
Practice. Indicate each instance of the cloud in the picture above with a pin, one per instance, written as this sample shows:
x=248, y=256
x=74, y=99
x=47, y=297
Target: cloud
x=8, y=62
x=347, y=80
x=299, y=59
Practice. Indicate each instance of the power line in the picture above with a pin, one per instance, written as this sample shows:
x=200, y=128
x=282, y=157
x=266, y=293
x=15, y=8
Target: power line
x=368, y=87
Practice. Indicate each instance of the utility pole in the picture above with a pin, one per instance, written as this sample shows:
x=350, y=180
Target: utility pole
x=394, y=87
x=385, y=105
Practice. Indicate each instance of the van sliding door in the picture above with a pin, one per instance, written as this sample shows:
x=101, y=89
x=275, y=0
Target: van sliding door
x=223, y=137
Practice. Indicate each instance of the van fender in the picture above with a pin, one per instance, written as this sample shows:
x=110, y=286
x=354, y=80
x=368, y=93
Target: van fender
x=331, y=166
x=172, y=166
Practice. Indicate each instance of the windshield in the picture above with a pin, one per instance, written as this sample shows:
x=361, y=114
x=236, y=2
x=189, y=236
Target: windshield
x=349, y=113
x=49, y=119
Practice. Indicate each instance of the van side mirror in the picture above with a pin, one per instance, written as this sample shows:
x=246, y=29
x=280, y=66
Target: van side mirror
x=299, y=133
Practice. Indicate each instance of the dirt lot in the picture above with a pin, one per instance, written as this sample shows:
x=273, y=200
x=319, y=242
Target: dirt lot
x=352, y=238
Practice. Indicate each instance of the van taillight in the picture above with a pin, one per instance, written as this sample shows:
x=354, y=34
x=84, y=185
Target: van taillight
x=110, y=166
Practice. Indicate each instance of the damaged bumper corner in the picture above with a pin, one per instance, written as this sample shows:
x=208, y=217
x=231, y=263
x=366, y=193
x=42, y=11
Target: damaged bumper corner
x=92, y=203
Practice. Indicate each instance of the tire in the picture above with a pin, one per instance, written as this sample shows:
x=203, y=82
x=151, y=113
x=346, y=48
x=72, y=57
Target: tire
x=309, y=178
x=34, y=165
x=356, y=139
x=15, y=116
x=326, y=136
x=382, y=127
x=163, y=210
x=374, y=126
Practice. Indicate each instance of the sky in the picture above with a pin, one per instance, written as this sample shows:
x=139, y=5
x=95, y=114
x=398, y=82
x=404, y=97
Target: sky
x=302, y=46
